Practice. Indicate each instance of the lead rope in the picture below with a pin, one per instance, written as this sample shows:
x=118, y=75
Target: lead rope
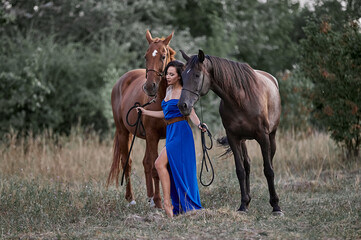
x=136, y=124
x=205, y=151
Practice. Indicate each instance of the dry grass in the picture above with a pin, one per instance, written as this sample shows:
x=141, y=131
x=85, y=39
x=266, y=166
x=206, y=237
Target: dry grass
x=53, y=187
x=83, y=157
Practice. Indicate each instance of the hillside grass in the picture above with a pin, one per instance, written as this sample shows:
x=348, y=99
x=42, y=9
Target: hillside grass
x=54, y=187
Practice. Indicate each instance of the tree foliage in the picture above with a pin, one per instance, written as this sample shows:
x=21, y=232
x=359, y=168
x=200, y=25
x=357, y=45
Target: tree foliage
x=60, y=59
x=331, y=58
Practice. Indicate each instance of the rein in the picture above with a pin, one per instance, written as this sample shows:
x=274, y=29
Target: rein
x=136, y=124
x=204, y=146
x=205, y=153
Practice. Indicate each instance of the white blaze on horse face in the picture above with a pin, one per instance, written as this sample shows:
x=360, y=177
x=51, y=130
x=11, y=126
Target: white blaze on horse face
x=154, y=53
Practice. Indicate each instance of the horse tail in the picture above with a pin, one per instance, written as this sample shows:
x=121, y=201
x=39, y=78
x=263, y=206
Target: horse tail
x=224, y=142
x=115, y=169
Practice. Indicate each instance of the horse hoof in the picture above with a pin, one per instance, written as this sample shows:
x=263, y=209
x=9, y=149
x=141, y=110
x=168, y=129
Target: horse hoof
x=151, y=202
x=277, y=213
x=132, y=203
x=242, y=211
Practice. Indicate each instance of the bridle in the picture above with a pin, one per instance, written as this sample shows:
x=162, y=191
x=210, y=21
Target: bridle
x=159, y=74
x=195, y=93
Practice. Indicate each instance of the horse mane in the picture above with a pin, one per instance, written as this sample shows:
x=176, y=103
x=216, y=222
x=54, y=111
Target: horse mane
x=234, y=77
x=171, y=50
x=163, y=82
x=171, y=53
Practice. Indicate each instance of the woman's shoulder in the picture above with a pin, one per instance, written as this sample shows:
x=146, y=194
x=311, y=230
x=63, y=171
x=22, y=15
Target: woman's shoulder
x=172, y=93
x=176, y=93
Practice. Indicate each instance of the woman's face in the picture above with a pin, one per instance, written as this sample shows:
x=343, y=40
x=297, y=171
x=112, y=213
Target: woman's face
x=172, y=76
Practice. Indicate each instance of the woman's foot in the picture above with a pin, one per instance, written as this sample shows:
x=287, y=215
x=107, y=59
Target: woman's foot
x=168, y=209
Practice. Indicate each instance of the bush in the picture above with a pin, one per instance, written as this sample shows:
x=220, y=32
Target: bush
x=331, y=59
x=46, y=84
x=296, y=107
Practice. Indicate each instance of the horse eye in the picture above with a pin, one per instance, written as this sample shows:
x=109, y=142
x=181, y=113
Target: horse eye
x=163, y=57
x=197, y=75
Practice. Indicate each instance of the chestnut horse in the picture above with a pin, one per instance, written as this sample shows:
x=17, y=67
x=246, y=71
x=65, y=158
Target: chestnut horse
x=128, y=90
x=250, y=108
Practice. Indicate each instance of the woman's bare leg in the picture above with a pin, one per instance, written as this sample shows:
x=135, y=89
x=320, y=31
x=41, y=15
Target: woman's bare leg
x=161, y=166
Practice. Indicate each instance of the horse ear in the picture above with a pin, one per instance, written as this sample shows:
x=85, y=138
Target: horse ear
x=149, y=37
x=167, y=40
x=200, y=56
x=184, y=55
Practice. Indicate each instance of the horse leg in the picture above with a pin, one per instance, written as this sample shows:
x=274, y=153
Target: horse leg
x=240, y=170
x=264, y=142
x=124, y=150
x=149, y=169
x=153, y=153
x=157, y=198
x=247, y=167
x=272, y=139
x=147, y=164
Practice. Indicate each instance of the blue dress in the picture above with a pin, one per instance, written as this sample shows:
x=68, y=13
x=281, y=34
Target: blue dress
x=182, y=161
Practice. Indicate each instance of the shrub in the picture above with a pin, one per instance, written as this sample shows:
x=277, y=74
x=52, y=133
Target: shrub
x=331, y=59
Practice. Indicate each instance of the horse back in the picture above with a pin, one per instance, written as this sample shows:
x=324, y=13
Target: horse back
x=272, y=99
x=268, y=76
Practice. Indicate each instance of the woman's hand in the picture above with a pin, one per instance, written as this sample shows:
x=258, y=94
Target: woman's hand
x=203, y=127
x=140, y=109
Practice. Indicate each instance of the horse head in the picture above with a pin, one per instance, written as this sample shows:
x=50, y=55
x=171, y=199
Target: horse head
x=196, y=81
x=158, y=55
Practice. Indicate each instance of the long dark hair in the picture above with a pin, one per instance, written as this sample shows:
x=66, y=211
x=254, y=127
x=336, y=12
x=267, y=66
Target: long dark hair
x=179, y=66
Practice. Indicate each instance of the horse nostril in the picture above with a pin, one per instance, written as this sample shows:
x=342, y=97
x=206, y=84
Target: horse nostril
x=184, y=106
x=153, y=85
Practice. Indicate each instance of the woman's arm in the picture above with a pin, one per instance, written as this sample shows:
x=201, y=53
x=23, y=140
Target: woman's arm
x=156, y=114
x=195, y=120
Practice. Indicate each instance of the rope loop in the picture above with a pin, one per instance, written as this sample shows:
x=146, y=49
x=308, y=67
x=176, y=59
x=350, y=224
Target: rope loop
x=206, y=156
x=136, y=124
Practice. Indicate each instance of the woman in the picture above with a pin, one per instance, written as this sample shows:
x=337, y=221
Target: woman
x=179, y=178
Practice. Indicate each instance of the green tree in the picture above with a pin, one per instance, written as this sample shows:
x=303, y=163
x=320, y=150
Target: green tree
x=296, y=105
x=262, y=34
x=331, y=59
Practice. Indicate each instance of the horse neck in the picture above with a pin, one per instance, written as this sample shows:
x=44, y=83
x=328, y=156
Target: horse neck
x=220, y=92
x=163, y=82
x=232, y=92
x=217, y=88
x=162, y=89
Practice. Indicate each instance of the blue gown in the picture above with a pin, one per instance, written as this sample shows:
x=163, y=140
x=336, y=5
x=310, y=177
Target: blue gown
x=182, y=161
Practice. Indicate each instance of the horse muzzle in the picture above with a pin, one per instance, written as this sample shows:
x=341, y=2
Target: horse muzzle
x=150, y=89
x=185, y=107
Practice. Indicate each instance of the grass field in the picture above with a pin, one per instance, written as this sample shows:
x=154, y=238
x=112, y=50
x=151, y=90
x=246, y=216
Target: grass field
x=54, y=187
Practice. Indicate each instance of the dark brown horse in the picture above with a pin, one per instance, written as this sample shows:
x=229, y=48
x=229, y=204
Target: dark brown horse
x=128, y=90
x=250, y=109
